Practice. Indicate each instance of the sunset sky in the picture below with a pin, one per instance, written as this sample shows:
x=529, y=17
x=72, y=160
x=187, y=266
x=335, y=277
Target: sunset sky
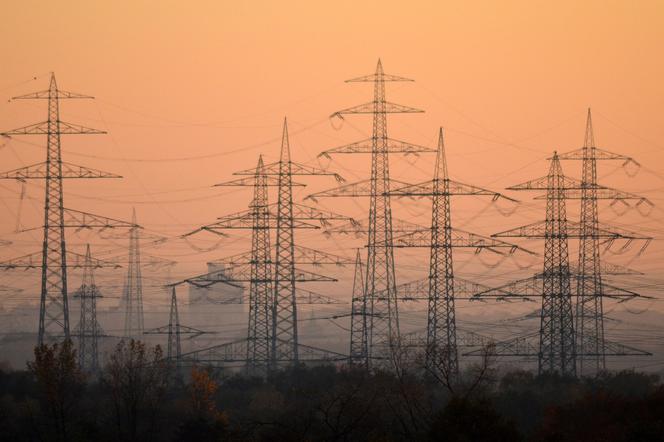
x=193, y=91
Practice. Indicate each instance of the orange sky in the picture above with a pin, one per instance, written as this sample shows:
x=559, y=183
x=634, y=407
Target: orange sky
x=212, y=81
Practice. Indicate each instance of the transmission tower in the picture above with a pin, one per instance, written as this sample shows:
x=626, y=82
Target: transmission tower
x=358, y=318
x=382, y=313
x=174, y=330
x=273, y=294
x=441, y=338
x=557, y=352
x=132, y=296
x=54, y=309
x=589, y=300
x=88, y=330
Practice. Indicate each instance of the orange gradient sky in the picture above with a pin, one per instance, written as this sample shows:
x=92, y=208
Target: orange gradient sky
x=192, y=91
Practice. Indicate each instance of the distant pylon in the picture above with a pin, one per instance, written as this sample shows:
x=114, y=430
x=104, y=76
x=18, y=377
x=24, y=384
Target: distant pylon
x=358, y=321
x=557, y=352
x=89, y=329
x=261, y=293
x=133, y=289
x=284, y=327
x=174, y=351
x=54, y=308
x=382, y=311
x=590, y=341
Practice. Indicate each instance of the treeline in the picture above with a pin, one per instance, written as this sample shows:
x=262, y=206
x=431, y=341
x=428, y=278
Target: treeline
x=140, y=396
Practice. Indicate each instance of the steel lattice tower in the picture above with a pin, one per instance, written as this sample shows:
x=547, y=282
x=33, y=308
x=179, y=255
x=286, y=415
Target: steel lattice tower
x=54, y=309
x=89, y=329
x=358, y=321
x=557, y=351
x=259, y=329
x=284, y=327
x=590, y=342
x=441, y=339
x=174, y=350
x=382, y=311
x=133, y=289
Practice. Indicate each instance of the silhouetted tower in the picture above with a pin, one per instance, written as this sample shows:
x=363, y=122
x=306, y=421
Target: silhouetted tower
x=382, y=312
x=261, y=293
x=89, y=329
x=441, y=340
x=174, y=351
x=590, y=342
x=358, y=321
x=54, y=309
x=557, y=352
x=273, y=300
x=133, y=289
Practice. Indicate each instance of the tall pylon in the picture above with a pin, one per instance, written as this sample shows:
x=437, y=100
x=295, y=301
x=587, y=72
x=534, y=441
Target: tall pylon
x=382, y=312
x=590, y=339
x=132, y=296
x=88, y=330
x=441, y=340
x=557, y=350
x=273, y=292
x=358, y=317
x=54, y=307
x=284, y=326
x=174, y=349
x=259, y=329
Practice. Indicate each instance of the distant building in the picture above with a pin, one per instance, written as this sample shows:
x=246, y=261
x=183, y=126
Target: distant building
x=220, y=293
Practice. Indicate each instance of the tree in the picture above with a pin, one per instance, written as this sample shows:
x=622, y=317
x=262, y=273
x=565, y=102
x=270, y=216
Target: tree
x=138, y=379
x=205, y=422
x=61, y=383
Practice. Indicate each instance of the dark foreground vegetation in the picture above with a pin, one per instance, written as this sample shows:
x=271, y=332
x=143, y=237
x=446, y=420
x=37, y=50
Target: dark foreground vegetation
x=140, y=397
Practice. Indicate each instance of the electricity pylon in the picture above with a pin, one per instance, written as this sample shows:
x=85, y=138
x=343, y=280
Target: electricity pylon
x=589, y=300
x=441, y=339
x=88, y=330
x=273, y=294
x=556, y=352
x=382, y=313
x=358, y=318
x=54, y=308
x=174, y=330
x=132, y=296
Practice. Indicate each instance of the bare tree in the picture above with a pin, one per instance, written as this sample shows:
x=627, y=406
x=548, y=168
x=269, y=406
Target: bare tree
x=138, y=379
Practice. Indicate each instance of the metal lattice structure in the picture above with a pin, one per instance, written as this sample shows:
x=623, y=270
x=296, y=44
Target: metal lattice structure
x=358, y=317
x=273, y=295
x=590, y=341
x=132, y=296
x=54, y=308
x=441, y=337
x=382, y=312
x=88, y=331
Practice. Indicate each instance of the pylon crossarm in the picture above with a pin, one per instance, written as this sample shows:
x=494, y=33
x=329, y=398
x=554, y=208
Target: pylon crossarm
x=459, y=238
x=34, y=261
x=418, y=290
x=379, y=76
x=524, y=346
x=573, y=230
x=428, y=188
x=63, y=129
x=296, y=169
x=603, y=193
x=386, y=107
x=367, y=146
x=600, y=154
x=270, y=181
x=565, y=183
x=302, y=255
x=46, y=94
x=607, y=268
x=39, y=171
x=358, y=189
x=527, y=289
